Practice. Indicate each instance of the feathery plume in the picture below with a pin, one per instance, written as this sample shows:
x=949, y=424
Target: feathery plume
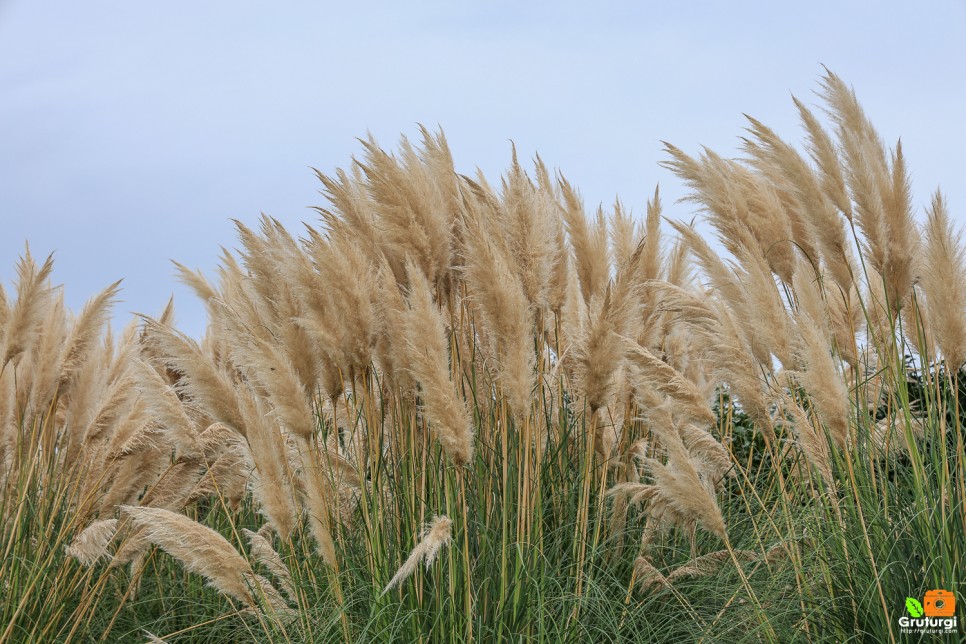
x=601, y=355
x=528, y=226
x=266, y=555
x=496, y=292
x=624, y=234
x=821, y=148
x=427, y=351
x=271, y=482
x=91, y=544
x=588, y=241
x=679, y=496
x=664, y=378
x=879, y=190
x=84, y=334
x=204, y=383
x=821, y=378
x=652, y=258
x=943, y=270
x=436, y=535
x=38, y=379
x=561, y=270
x=23, y=318
x=810, y=441
x=167, y=408
x=647, y=576
x=202, y=551
x=196, y=281
x=708, y=564
x=413, y=197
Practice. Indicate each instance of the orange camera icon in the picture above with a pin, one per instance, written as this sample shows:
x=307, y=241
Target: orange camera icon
x=939, y=603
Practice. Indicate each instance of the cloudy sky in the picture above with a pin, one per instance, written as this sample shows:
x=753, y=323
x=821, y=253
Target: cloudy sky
x=131, y=132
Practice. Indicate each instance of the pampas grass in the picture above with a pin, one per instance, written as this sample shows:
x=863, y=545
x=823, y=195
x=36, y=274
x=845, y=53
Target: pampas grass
x=265, y=554
x=436, y=535
x=427, y=350
x=679, y=496
x=593, y=404
x=943, y=280
x=91, y=544
x=202, y=551
x=23, y=317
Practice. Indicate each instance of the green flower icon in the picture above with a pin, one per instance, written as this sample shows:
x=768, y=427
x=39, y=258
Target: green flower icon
x=914, y=607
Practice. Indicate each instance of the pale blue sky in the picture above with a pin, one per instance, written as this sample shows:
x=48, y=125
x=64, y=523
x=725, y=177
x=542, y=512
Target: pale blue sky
x=131, y=132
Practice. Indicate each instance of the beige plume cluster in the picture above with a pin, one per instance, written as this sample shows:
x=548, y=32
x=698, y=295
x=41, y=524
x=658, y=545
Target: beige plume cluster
x=433, y=309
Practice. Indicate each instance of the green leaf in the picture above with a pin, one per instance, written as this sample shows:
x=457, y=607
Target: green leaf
x=914, y=607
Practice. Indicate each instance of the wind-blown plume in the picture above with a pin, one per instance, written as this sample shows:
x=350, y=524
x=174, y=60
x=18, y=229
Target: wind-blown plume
x=708, y=564
x=414, y=199
x=202, y=551
x=528, y=218
x=85, y=332
x=600, y=354
x=943, y=270
x=203, y=382
x=265, y=554
x=497, y=294
x=167, y=408
x=647, y=576
x=91, y=544
x=880, y=191
x=625, y=234
x=427, y=350
x=23, y=318
x=821, y=378
x=664, y=378
x=810, y=441
x=588, y=241
x=679, y=496
x=436, y=534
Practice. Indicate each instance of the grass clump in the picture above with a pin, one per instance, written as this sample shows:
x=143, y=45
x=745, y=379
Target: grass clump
x=457, y=411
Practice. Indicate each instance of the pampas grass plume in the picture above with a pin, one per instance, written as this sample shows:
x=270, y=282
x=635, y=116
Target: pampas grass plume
x=437, y=534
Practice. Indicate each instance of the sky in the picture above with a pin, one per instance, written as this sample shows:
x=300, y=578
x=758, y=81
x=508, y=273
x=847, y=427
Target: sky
x=131, y=133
